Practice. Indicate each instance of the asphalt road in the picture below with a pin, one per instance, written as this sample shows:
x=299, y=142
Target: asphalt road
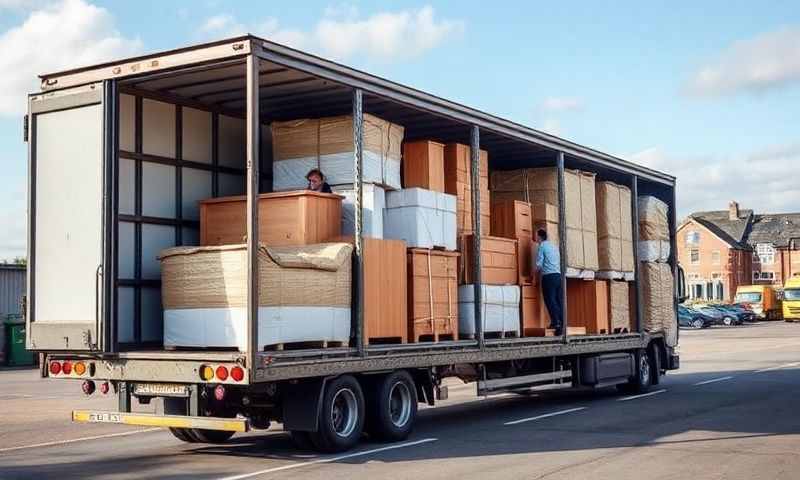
x=732, y=412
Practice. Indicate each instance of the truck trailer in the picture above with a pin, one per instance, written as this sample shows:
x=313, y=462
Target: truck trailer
x=119, y=155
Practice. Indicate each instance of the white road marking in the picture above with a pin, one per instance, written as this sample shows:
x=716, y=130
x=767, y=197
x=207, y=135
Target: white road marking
x=713, y=380
x=648, y=394
x=15, y=395
x=330, y=459
x=546, y=415
x=778, y=367
x=75, y=440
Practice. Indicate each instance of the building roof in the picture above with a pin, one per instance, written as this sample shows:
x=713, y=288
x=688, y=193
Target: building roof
x=778, y=229
x=733, y=232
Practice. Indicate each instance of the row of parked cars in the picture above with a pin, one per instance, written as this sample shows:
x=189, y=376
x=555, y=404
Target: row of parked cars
x=706, y=315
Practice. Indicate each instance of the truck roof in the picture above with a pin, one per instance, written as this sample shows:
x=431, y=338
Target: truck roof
x=303, y=78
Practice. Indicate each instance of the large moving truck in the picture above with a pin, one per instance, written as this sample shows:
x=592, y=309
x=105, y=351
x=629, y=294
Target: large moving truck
x=763, y=300
x=112, y=184
x=791, y=299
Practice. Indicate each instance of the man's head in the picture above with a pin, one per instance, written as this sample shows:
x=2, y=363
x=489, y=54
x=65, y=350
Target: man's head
x=315, y=179
x=541, y=235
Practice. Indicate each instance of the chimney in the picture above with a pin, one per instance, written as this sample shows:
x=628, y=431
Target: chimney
x=733, y=210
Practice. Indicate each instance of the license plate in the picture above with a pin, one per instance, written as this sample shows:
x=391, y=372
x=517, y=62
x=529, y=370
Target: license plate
x=161, y=390
x=105, y=417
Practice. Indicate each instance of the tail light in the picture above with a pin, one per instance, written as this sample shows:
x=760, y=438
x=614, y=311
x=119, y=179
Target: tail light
x=87, y=387
x=237, y=373
x=222, y=373
x=206, y=373
x=66, y=367
x=80, y=368
x=219, y=393
x=104, y=388
x=55, y=368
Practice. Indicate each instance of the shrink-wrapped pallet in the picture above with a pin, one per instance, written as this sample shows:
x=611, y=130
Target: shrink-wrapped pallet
x=539, y=186
x=614, y=228
x=373, y=203
x=423, y=218
x=327, y=144
x=619, y=306
x=304, y=295
x=499, y=310
x=658, y=308
x=653, y=219
x=653, y=250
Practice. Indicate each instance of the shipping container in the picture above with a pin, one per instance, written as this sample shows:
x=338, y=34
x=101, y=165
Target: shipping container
x=122, y=154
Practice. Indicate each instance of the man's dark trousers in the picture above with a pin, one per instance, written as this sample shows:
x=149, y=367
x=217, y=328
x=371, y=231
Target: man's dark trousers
x=551, y=290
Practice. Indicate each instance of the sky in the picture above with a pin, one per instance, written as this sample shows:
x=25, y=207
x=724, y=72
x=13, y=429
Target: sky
x=706, y=91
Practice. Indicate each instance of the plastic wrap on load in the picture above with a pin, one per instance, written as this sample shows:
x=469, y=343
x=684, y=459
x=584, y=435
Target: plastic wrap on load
x=374, y=202
x=619, y=306
x=658, y=307
x=500, y=309
x=208, y=286
x=327, y=144
x=653, y=250
x=614, y=227
x=653, y=219
x=423, y=218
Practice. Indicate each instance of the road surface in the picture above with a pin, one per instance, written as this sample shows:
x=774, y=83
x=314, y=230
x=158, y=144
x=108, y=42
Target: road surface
x=732, y=412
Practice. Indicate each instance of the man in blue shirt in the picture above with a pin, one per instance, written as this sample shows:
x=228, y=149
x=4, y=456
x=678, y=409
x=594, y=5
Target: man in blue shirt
x=548, y=263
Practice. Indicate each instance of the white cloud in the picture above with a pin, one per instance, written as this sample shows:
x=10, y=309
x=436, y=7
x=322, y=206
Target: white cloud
x=562, y=104
x=79, y=34
x=342, y=33
x=20, y=4
x=765, y=62
x=757, y=180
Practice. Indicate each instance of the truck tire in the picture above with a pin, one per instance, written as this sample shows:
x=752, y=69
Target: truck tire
x=341, y=417
x=183, y=434
x=302, y=440
x=211, y=436
x=643, y=379
x=392, y=407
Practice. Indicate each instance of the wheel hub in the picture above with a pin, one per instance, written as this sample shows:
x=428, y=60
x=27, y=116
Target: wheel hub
x=399, y=404
x=344, y=413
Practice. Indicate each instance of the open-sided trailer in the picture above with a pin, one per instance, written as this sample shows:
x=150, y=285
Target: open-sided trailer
x=118, y=154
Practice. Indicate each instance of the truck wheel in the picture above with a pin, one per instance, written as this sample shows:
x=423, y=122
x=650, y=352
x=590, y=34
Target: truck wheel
x=392, y=407
x=643, y=379
x=183, y=434
x=341, y=419
x=212, y=436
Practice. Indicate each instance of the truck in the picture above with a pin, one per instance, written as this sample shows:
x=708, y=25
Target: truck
x=120, y=152
x=763, y=300
x=791, y=299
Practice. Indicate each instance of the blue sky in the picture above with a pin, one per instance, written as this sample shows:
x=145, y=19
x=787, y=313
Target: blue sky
x=706, y=91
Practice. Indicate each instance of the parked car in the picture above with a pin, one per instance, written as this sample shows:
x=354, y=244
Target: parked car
x=688, y=317
x=730, y=316
x=748, y=315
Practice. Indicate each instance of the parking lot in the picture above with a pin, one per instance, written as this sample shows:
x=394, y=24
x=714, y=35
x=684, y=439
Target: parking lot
x=729, y=412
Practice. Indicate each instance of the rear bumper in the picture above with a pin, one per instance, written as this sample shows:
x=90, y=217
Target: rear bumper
x=153, y=420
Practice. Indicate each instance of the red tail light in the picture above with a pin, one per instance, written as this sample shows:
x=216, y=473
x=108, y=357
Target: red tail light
x=219, y=393
x=55, y=368
x=66, y=367
x=222, y=373
x=88, y=387
x=237, y=373
x=104, y=388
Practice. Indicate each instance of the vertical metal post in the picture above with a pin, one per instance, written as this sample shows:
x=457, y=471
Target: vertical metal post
x=635, y=229
x=124, y=397
x=475, y=185
x=358, y=241
x=252, y=126
x=106, y=332
x=562, y=244
x=673, y=257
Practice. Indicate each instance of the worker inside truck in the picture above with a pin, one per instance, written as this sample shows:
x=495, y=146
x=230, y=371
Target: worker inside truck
x=548, y=264
x=316, y=181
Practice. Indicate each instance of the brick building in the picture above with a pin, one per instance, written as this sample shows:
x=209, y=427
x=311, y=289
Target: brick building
x=720, y=250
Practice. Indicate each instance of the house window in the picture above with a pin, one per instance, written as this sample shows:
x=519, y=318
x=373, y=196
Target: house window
x=715, y=257
x=767, y=275
x=766, y=253
x=694, y=256
x=756, y=276
x=692, y=238
x=716, y=276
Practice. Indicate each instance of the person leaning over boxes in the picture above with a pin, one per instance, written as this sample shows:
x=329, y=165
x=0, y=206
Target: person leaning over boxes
x=316, y=181
x=548, y=263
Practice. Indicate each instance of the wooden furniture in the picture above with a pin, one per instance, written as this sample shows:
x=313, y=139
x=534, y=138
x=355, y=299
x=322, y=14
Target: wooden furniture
x=299, y=217
x=512, y=219
x=498, y=260
x=385, y=315
x=587, y=305
x=457, y=181
x=423, y=165
x=432, y=295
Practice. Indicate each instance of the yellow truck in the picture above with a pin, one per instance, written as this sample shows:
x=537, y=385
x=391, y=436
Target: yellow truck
x=763, y=300
x=791, y=299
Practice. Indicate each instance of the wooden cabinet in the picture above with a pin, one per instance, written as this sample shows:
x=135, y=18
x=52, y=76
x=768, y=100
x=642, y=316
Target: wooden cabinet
x=512, y=219
x=423, y=165
x=457, y=181
x=299, y=217
x=432, y=295
x=498, y=260
x=385, y=314
x=588, y=305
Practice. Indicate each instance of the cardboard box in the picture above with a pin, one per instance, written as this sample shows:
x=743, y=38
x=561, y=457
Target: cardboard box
x=373, y=205
x=498, y=260
x=299, y=217
x=614, y=227
x=423, y=165
x=500, y=309
x=619, y=308
x=432, y=295
x=587, y=305
x=423, y=218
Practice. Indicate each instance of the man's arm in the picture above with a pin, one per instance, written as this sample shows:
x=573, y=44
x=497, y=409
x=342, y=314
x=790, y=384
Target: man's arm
x=540, y=257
